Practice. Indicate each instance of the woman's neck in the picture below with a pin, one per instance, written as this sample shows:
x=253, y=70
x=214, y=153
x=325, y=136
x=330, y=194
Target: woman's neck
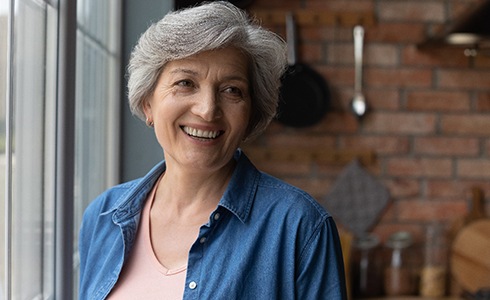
x=184, y=191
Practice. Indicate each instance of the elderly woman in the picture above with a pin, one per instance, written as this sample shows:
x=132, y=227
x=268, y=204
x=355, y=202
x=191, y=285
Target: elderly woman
x=205, y=223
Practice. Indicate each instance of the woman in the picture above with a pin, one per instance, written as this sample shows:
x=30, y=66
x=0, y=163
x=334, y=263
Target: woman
x=205, y=223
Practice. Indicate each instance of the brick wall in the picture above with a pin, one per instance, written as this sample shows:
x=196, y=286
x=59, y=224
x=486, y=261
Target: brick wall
x=429, y=118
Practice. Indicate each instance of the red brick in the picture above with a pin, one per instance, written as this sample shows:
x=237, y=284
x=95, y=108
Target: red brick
x=419, y=167
x=379, y=144
x=438, y=101
x=294, y=137
x=337, y=122
x=337, y=76
x=330, y=170
x=402, y=188
x=340, y=98
x=317, y=187
x=483, y=102
x=400, y=123
x=468, y=124
x=283, y=169
x=429, y=117
x=473, y=168
x=445, y=146
x=428, y=211
x=482, y=61
x=340, y=54
x=374, y=55
x=325, y=34
x=445, y=188
x=311, y=54
x=349, y=5
x=377, y=99
x=462, y=7
x=381, y=55
x=440, y=57
x=383, y=99
x=396, y=33
x=398, y=77
x=432, y=11
x=455, y=189
x=464, y=79
x=274, y=4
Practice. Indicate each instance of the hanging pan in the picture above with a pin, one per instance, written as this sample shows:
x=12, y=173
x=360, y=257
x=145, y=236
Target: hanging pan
x=305, y=96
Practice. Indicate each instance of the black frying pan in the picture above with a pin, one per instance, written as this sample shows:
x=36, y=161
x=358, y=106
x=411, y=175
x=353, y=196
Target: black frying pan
x=305, y=96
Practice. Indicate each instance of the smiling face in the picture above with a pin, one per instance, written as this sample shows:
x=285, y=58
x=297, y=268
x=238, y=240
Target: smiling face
x=201, y=108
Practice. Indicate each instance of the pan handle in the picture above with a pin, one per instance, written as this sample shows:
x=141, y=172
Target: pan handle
x=291, y=38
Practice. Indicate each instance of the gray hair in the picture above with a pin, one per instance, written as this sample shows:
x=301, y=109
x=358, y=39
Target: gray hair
x=210, y=26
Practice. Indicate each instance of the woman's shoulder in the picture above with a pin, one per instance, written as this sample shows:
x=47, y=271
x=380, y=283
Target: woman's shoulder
x=277, y=190
x=112, y=197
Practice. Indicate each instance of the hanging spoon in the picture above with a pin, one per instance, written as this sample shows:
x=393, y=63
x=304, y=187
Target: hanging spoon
x=358, y=103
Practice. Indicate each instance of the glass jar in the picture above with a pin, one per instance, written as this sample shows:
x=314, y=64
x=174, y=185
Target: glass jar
x=434, y=270
x=399, y=277
x=366, y=267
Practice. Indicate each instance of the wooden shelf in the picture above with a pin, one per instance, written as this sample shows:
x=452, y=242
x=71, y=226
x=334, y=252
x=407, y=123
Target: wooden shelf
x=307, y=155
x=316, y=18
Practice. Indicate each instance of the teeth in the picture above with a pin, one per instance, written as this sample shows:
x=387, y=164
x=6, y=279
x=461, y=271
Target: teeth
x=207, y=134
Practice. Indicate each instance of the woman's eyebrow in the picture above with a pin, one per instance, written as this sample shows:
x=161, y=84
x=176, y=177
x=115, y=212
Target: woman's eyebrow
x=182, y=70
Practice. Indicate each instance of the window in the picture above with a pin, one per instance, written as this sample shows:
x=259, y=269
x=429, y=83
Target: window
x=30, y=130
x=97, y=103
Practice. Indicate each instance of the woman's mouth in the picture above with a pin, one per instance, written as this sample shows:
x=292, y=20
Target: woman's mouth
x=201, y=134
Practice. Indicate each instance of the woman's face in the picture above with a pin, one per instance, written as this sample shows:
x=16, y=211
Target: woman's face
x=201, y=107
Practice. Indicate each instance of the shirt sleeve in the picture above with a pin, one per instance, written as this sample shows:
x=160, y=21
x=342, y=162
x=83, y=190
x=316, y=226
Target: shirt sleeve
x=321, y=268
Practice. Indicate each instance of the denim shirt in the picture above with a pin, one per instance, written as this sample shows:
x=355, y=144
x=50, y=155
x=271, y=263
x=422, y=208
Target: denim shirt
x=265, y=240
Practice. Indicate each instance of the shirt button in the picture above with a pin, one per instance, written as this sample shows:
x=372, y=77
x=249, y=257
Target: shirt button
x=202, y=240
x=192, y=285
x=217, y=216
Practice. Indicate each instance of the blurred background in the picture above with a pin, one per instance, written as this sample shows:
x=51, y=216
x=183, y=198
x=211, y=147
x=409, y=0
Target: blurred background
x=406, y=179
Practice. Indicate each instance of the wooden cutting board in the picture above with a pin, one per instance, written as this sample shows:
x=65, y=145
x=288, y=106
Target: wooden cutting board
x=470, y=250
x=470, y=257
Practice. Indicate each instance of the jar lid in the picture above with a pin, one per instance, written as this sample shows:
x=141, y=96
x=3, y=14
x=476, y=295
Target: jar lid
x=400, y=239
x=367, y=241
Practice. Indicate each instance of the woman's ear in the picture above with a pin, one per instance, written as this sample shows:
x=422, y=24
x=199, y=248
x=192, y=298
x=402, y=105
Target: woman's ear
x=146, y=108
x=148, y=114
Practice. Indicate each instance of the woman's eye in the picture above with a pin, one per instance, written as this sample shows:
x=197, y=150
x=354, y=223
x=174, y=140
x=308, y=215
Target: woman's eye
x=234, y=91
x=184, y=83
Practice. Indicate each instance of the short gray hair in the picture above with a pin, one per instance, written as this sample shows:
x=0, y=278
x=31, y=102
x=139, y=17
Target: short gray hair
x=210, y=26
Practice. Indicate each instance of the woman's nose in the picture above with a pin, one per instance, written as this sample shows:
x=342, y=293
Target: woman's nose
x=208, y=106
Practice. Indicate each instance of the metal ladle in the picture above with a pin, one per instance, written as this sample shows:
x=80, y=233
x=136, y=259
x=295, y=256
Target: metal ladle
x=358, y=104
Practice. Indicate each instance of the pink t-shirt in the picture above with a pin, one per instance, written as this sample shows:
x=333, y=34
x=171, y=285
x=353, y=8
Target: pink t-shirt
x=143, y=276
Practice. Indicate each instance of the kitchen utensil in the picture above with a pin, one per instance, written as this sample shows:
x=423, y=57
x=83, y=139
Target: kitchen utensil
x=356, y=199
x=304, y=93
x=470, y=258
x=470, y=254
x=475, y=212
x=358, y=103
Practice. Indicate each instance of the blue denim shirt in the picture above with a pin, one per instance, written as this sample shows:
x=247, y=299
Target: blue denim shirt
x=265, y=240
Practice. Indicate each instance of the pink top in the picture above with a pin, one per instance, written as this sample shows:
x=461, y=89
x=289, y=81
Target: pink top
x=143, y=276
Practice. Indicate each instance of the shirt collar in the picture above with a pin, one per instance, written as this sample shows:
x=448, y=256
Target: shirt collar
x=132, y=200
x=239, y=195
